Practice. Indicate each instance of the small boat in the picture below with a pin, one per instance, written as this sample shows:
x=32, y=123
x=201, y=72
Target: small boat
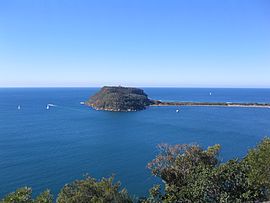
x=210, y=93
x=47, y=107
x=82, y=103
x=19, y=107
x=177, y=110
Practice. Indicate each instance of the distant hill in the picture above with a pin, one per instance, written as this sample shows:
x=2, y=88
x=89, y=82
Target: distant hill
x=117, y=98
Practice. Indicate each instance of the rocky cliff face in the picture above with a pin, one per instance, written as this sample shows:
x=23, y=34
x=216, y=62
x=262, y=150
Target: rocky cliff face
x=119, y=99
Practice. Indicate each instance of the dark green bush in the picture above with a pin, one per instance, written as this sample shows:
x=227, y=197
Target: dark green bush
x=24, y=195
x=89, y=190
x=191, y=174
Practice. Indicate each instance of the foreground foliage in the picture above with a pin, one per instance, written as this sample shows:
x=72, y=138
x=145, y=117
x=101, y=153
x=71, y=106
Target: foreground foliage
x=189, y=173
x=90, y=190
x=24, y=195
x=192, y=174
x=87, y=190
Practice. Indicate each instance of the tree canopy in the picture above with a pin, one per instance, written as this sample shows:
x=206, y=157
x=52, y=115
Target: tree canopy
x=191, y=174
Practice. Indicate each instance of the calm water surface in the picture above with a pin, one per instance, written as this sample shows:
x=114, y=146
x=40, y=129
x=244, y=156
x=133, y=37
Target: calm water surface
x=44, y=148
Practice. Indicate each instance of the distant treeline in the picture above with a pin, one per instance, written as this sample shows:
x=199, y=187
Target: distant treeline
x=189, y=174
x=228, y=104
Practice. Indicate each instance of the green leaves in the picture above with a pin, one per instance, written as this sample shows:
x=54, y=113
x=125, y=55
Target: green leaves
x=24, y=195
x=90, y=190
x=259, y=161
x=87, y=190
x=45, y=197
x=192, y=174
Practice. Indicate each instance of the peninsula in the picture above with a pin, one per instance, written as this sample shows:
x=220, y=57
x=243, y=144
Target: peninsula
x=118, y=98
x=225, y=104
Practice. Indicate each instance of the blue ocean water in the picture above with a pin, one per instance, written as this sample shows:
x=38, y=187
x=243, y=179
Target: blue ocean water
x=44, y=148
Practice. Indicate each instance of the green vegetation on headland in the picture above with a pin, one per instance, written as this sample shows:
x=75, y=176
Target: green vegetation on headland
x=189, y=174
x=119, y=99
x=228, y=104
x=134, y=99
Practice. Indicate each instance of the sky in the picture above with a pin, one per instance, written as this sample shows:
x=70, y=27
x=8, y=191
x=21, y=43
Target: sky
x=169, y=43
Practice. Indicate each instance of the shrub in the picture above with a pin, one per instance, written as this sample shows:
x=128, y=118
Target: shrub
x=191, y=174
x=24, y=195
x=90, y=190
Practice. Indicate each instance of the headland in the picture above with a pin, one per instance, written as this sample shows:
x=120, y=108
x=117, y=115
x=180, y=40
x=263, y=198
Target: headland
x=118, y=98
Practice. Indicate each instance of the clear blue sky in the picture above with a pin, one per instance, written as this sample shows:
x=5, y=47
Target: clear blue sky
x=189, y=43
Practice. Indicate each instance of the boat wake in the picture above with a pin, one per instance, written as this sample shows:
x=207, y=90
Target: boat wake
x=68, y=108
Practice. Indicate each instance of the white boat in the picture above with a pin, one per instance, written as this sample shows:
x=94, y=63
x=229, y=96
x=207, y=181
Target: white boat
x=19, y=107
x=48, y=107
x=210, y=93
x=177, y=110
x=82, y=103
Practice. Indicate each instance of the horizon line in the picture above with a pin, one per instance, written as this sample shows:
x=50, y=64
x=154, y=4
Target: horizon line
x=219, y=87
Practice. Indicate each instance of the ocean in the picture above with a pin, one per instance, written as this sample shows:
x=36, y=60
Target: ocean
x=47, y=148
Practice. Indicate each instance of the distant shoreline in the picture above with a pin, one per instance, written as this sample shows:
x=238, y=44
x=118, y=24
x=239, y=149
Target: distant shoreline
x=213, y=104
